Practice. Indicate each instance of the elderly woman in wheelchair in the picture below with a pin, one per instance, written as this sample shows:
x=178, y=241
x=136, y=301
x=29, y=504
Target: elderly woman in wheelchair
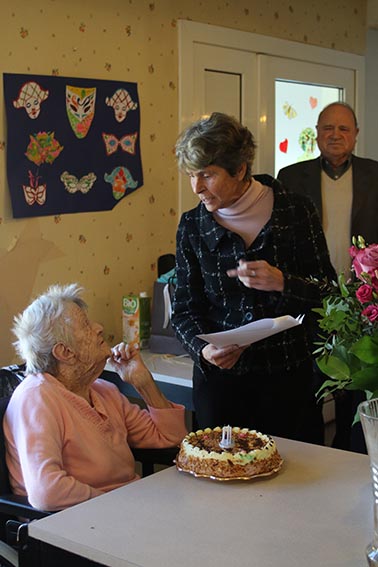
x=69, y=434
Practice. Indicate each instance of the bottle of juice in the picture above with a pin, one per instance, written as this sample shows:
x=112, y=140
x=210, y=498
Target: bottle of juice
x=136, y=322
x=130, y=320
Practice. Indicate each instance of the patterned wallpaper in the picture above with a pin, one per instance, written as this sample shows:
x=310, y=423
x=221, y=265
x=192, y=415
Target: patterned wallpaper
x=114, y=253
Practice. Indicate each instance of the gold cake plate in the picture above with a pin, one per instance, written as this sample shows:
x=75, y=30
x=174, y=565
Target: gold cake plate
x=228, y=478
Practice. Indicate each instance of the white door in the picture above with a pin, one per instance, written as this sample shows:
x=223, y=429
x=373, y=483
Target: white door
x=223, y=82
x=239, y=73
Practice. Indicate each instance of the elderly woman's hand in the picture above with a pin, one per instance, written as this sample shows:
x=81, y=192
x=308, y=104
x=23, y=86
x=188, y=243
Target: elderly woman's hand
x=128, y=363
x=258, y=274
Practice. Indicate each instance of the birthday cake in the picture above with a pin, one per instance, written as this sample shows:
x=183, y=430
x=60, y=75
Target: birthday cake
x=228, y=453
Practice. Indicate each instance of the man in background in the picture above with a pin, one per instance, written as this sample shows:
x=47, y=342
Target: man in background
x=344, y=188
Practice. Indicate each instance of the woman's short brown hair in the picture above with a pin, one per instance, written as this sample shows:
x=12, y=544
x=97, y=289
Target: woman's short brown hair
x=216, y=140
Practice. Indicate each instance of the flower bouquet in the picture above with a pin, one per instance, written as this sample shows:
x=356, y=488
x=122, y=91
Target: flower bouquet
x=348, y=350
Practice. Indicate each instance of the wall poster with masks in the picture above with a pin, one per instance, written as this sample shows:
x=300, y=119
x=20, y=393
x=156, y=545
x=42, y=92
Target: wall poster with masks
x=73, y=145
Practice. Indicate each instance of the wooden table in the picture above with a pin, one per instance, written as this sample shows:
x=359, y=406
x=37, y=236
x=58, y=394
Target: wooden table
x=316, y=512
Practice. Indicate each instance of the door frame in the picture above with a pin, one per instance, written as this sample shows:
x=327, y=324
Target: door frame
x=192, y=34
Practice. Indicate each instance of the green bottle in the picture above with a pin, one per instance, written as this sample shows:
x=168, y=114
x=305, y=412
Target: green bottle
x=145, y=319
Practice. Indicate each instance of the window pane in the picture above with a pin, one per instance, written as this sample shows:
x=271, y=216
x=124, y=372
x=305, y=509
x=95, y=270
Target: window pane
x=296, y=113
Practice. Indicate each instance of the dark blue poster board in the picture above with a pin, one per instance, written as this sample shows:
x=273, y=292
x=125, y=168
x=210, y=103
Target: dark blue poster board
x=73, y=145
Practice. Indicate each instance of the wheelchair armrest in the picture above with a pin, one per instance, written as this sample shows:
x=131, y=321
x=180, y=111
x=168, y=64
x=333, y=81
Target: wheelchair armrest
x=16, y=505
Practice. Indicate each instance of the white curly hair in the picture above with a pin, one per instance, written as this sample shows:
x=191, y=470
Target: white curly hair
x=43, y=324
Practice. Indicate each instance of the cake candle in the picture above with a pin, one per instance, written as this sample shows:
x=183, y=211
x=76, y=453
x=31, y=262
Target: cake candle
x=226, y=441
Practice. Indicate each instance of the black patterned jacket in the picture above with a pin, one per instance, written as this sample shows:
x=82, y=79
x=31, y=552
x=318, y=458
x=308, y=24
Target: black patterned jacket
x=207, y=300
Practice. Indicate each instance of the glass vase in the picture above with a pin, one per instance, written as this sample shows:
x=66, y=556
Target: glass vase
x=369, y=419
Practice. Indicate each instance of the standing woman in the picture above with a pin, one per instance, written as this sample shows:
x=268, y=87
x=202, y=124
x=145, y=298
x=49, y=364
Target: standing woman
x=248, y=251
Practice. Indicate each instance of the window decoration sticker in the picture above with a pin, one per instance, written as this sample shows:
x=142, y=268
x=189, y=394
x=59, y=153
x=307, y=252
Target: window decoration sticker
x=77, y=146
x=289, y=111
x=121, y=103
x=284, y=145
x=30, y=97
x=307, y=142
x=80, y=104
x=313, y=101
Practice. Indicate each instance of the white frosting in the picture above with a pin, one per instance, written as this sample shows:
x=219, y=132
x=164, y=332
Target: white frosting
x=240, y=457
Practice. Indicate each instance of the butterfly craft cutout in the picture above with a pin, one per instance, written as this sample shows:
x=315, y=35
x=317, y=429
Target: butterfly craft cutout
x=126, y=143
x=73, y=184
x=34, y=193
x=289, y=111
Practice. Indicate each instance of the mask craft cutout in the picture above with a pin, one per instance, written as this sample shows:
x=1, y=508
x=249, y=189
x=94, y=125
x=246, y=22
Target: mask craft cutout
x=34, y=193
x=126, y=143
x=43, y=147
x=80, y=106
x=121, y=103
x=30, y=97
x=121, y=179
x=73, y=184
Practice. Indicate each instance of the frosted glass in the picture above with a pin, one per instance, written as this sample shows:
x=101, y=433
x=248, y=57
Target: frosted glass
x=297, y=109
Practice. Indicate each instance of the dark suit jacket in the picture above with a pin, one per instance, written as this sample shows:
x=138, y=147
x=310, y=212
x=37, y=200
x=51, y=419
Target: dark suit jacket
x=305, y=178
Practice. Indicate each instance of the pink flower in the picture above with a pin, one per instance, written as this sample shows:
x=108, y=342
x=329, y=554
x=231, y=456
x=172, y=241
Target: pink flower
x=364, y=293
x=353, y=251
x=366, y=260
x=374, y=280
x=371, y=312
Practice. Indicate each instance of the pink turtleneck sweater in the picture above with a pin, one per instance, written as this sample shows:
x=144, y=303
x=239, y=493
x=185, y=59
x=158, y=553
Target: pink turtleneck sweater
x=61, y=451
x=249, y=214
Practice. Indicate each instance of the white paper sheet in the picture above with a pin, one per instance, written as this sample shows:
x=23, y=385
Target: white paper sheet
x=252, y=332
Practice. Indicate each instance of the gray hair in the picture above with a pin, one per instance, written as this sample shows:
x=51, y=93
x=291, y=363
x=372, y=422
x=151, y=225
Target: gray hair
x=43, y=324
x=217, y=140
x=344, y=105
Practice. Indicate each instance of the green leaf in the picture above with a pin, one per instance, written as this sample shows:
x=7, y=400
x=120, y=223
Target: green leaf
x=343, y=353
x=356, y=418
x=334, y=367
x=342, y=285
x=318, y=310
x=364, y=379
x=371, y=395
x=327, y=385
x=330, y=386
x=366, y=349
